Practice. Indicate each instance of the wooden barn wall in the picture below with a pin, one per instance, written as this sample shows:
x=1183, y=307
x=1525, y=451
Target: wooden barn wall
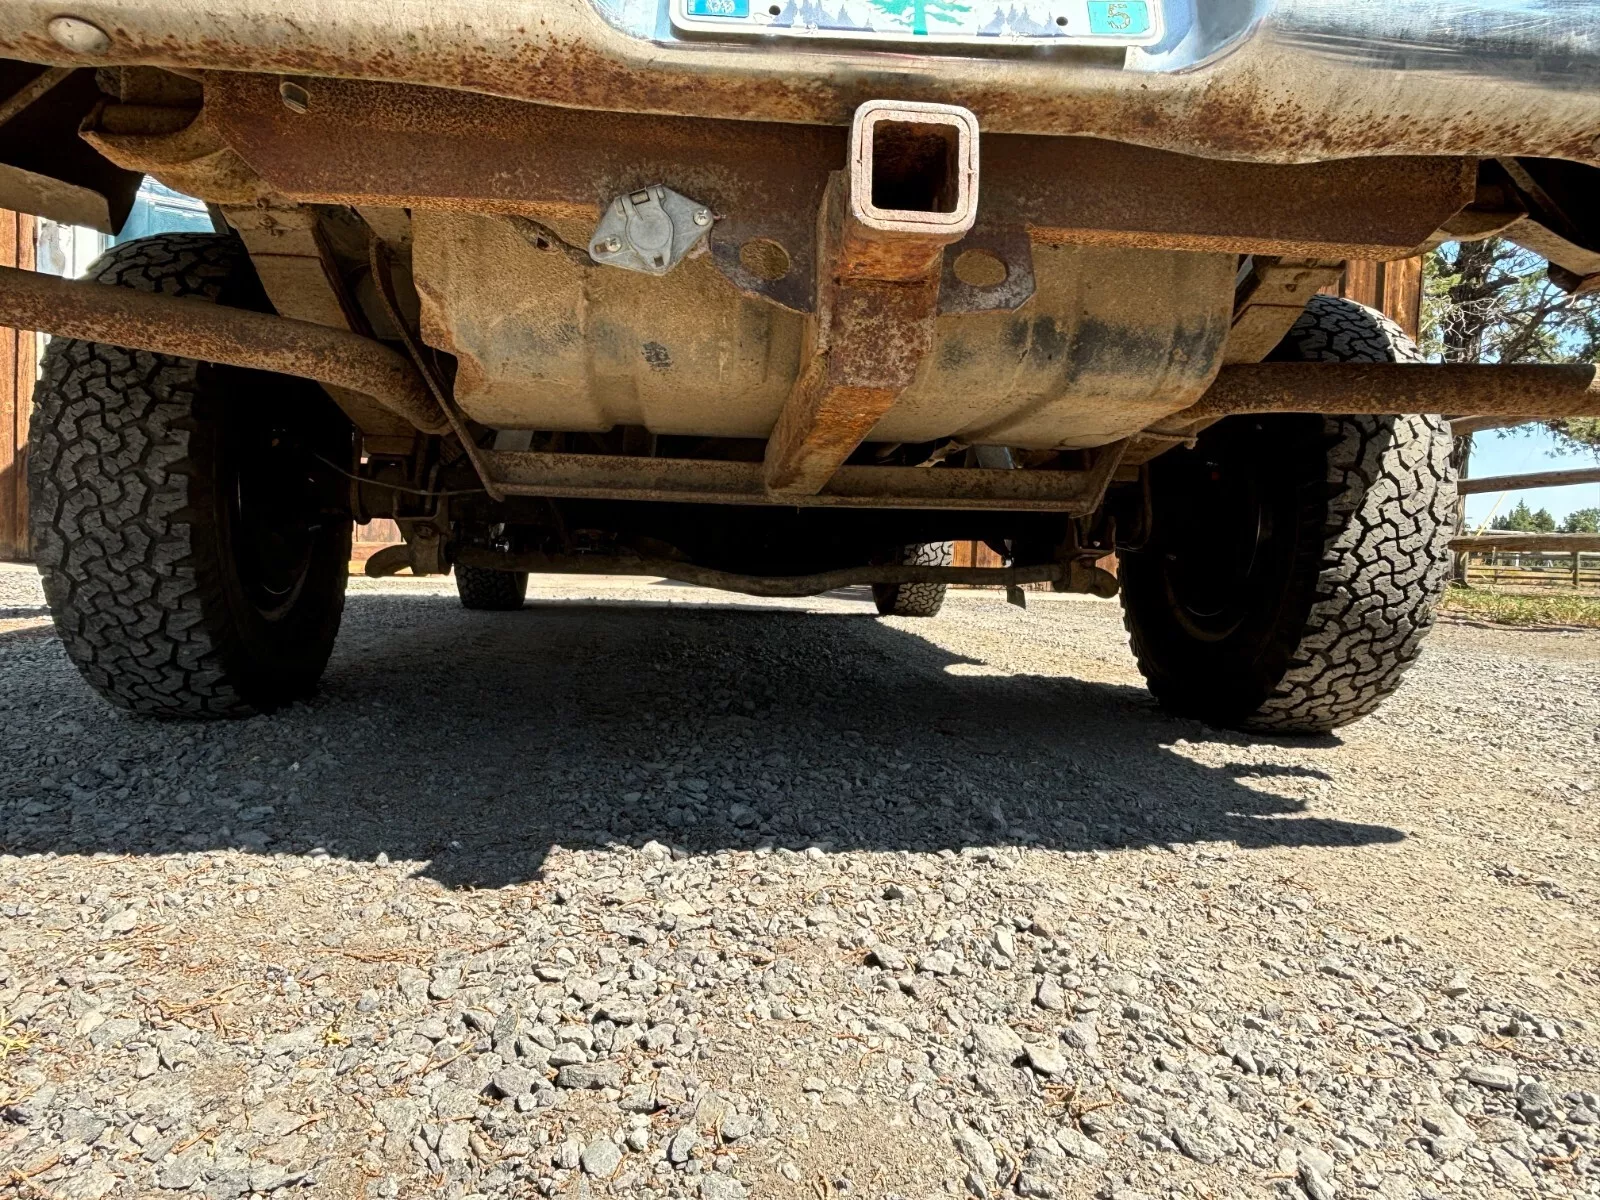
x=1393, y=288
x=17, y=359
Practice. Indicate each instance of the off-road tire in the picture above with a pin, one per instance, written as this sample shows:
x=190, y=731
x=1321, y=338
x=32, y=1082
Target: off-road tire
x=1345, y=579
x=169, y=598
x=485, y=590
x=915, y=599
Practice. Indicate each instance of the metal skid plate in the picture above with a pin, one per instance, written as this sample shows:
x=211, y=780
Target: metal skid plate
x=649, y=230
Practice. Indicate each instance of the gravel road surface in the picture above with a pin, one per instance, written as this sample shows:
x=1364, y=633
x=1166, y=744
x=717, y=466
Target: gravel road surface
x=647, y=891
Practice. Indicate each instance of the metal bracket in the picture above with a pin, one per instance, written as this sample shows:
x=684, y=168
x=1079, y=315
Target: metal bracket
x=650, y=230
x=1007, y=251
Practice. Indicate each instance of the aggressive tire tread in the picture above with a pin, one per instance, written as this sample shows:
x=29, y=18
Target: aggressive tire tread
x=916, y=599
x=1385, y=558
x=484, y=590
x=122, y=516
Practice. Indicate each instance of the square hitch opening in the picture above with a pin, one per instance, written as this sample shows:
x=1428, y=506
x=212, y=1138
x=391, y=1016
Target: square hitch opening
x=914, y=167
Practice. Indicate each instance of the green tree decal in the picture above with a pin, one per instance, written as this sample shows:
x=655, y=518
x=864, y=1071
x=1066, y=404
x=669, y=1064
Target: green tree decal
x=919, y=11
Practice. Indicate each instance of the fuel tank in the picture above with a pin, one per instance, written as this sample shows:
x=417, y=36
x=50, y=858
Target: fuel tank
x=1110, y=340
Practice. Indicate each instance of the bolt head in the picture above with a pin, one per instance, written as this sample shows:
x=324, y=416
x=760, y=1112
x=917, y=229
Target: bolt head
x=609, y=245
x=78, y=35
x=702, y=217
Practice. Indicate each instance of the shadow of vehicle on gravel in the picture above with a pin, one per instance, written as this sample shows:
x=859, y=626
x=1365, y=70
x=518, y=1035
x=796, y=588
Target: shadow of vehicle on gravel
x=475, y=742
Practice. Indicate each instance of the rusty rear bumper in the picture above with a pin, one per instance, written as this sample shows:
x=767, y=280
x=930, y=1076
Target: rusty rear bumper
x=1267, y=80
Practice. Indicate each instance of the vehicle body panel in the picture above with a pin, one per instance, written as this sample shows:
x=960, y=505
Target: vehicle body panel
x=1269, y=80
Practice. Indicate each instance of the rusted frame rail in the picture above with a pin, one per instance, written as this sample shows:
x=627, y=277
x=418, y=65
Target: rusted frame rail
x=617, y=477
x=1379, y=389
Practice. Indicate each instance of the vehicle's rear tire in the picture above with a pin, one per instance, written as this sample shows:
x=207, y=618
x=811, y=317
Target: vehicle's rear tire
x=485, y=590
x=915, y=599
x=1294, y=562
x=191, y=536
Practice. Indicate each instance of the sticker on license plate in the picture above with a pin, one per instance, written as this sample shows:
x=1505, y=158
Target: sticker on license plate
x=974, y=22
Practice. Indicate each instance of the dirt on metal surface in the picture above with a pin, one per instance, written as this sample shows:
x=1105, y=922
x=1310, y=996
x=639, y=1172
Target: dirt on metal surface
x=1280, y=95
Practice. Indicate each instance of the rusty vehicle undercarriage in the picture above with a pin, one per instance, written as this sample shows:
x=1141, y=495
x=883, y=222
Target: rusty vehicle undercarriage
x=779, y=303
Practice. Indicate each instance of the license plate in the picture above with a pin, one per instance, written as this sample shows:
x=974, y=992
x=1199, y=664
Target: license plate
x=967, y=22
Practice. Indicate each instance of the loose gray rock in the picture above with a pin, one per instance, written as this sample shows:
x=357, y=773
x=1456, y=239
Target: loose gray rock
x=580, y=1076
x=601, y=1157
x=980, y=1155
x=1000, y=1043
x=1537, y=1106
x=682, y=1145
x=1315, y=1184
x=937, y=962
x=514, y=1081
x=1046, y=1058
x=1494, y=1077
x=721, y=1187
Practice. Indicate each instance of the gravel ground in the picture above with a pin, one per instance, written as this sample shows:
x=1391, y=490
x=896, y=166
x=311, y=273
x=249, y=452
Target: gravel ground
x=644, y=891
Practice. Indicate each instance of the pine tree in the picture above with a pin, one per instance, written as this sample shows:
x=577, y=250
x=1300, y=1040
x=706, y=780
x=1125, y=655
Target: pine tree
x=1583, y=520
x=1522, y=519
x=1492, y=302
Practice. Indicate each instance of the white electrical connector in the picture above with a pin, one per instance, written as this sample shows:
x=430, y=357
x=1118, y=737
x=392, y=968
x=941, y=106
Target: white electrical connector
x=650, y=230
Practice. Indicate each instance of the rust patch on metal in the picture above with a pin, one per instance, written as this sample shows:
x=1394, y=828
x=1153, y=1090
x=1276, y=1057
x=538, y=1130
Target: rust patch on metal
x=877, y=298
x=1085, y=191
x=715, y=481
x=414, y=147
x=1382, y=389
x=367, y=143
x=1261, y=100
x=998, y=276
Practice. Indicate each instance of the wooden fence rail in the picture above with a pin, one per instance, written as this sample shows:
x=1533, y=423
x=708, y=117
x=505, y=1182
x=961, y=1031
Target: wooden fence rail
x=1558, y=543
x=1536, y=479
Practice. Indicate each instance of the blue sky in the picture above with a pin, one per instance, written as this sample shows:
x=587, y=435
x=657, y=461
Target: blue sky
x=1530, y=448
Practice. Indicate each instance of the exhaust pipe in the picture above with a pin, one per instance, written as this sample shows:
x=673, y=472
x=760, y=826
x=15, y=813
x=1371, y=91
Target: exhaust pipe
x=234, y=337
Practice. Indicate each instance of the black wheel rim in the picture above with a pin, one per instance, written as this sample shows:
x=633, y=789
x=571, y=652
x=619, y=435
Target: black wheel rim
x=1216, y=548
x=275, y=517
